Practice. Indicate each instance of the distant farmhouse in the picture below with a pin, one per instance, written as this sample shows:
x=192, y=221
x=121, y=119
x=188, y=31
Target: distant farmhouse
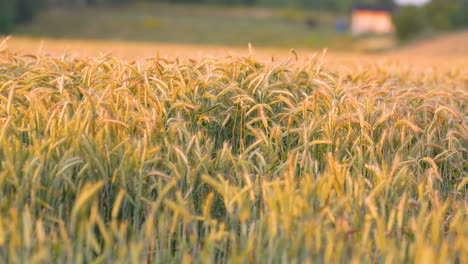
x=371, y=20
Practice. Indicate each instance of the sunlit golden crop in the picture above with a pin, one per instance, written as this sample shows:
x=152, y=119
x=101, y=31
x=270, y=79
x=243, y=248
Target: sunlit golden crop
x=231, y=160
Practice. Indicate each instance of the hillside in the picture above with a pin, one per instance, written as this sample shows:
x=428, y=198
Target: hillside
x=449, y=44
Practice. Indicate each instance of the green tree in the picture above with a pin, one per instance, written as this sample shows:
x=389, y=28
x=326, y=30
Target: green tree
x=25, y=9
x=445, y=14
x=409, y=22
x=7, y=16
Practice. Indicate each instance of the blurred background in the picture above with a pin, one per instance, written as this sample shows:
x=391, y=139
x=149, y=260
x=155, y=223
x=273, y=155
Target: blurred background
x=370, y=25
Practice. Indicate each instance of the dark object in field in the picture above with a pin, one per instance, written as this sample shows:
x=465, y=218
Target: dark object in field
x=311, y=22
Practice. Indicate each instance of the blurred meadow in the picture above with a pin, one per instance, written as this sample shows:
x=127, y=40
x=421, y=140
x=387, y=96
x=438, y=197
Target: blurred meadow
x=195, y=24
x=249, y=131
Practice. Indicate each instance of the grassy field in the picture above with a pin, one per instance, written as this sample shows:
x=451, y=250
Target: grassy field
x=195, y=156
x=190, y=24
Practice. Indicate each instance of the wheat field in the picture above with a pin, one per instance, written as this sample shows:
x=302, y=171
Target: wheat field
x=232, y=159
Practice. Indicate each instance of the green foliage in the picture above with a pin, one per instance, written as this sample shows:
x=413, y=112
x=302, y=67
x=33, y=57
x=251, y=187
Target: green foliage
x=445, y=14
x=25, y=9
x=17, y=11
x=436, y=16
x=7, y=16
x=409, y=22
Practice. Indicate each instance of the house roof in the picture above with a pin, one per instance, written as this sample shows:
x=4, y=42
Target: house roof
x=380, y=8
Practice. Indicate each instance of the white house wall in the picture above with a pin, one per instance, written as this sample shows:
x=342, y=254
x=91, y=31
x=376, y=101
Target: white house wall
x=369, y=22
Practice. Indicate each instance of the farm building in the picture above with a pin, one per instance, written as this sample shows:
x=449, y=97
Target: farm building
x=371, y=20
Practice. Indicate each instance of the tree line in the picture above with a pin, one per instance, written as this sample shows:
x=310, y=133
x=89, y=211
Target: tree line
x=436, y=16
